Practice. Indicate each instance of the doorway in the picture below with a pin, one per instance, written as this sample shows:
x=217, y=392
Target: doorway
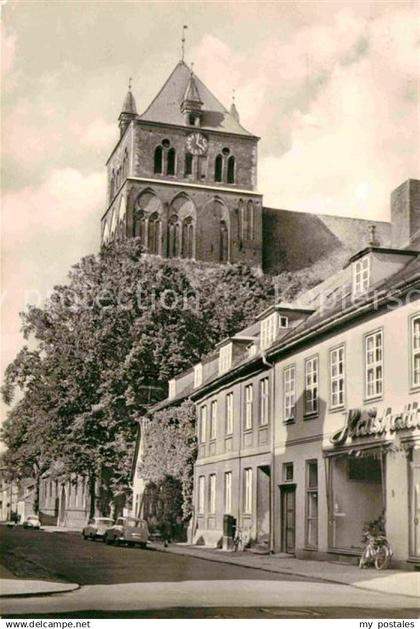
x=415, y=503
x=263, y=503
x=288, y=518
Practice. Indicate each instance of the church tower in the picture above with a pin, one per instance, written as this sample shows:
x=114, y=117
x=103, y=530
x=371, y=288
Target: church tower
x=183, y=177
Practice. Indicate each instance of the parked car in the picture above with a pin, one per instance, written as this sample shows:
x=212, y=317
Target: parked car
x=128, y=530
x=96, y=528
x=31, y=522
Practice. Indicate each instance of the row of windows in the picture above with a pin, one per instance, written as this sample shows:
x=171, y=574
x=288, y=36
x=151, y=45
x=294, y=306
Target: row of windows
x=181, y=234
x=373, y=377
x=208, y=503
x=207, y=427
x=165, y=162
x=373, y=373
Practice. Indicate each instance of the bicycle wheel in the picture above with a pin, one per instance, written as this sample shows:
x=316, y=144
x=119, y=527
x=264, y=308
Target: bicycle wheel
x=382, y=558
x=364, y=559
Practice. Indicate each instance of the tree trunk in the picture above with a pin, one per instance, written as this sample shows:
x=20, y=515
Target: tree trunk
x=92, y=495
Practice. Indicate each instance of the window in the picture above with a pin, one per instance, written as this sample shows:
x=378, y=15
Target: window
x=250, y=220
x=198, y=375
x=203, y=424
x=231, y=169
x=218, y=168
x=364, y=468
x=337, y=377
x=312, y=503
x=287, y=472
x=228, y=492
x=172, y=388
x=374, y=364
x=158, y=162
x=415, y=351
x=249, y=406
x=311, y=386
x=229, y=414
x=212, y=493
x=174, y=237
x=225, y=358
x=154, y=233
x=289, y=387
x=171, y=162
x=201, y=494
x=188, y=238
x=188, y=164
x=264, y=402
x=269, y=328
x=248, y=490
x=213, y=420
x=361, y=276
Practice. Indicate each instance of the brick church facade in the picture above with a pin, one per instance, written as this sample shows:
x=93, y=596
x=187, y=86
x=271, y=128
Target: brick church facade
x=183, y=178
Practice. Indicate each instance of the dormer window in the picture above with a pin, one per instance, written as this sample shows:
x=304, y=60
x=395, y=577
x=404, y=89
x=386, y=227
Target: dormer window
x=361, y=276
x=198, y=375
x=225, y=358
x=172, y=389
x=270, y=327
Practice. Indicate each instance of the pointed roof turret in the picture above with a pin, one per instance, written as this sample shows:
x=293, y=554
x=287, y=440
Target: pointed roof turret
x=192, y=98
x=129, y=105
x=233, y=110
x=129, y=110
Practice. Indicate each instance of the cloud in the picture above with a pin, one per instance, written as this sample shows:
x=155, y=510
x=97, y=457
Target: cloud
x=96, y=133
x=46, y=228
x=336, y=105
x=8, y=50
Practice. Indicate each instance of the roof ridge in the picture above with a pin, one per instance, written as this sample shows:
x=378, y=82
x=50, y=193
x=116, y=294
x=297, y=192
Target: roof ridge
x=180, y=63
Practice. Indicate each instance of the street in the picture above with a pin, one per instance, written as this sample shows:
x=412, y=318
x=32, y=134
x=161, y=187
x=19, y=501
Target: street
x=133, y=583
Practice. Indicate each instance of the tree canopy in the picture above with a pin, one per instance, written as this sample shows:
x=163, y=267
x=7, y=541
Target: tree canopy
x=106, y=344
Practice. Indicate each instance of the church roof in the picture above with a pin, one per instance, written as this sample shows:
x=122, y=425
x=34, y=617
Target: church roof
x=129, y=105
x=166, y=106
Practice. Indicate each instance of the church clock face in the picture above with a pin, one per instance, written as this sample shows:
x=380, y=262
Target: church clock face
x=196, y=143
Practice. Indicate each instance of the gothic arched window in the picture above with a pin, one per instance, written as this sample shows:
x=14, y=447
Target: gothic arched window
x=224, y=242
x=231, y=170
x=153, y=239
x=158, y=163
x=125, y=165
x=188, y=238
x=218, y=168
x=250, y=220
x=173, y=237
x=171, y=162
x=112, y=185
x=188, y=164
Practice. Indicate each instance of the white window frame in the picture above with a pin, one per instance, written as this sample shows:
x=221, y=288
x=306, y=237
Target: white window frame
x=203, y=424
x=225, y=358
x=374, y=364
x=229, y=413
x=311, y=385
x=249, y=406
x=361, y=275
x=171, y=388
x=198, y=375
x=228, y=492
x=311, y=491
x=269, y=328
x=415, y=350
x=201, y=494
x=248, y=493
x=264, y=402
x=212, y=493
x=337, y=376
x=213, y=420
x=289, y=393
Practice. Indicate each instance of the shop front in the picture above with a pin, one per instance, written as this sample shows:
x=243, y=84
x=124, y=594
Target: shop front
x=373, y=475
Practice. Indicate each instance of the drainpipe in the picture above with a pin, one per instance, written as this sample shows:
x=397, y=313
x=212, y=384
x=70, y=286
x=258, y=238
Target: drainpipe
x=267, y=363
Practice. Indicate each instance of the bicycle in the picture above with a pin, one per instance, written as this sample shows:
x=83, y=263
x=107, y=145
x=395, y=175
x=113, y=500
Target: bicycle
x=377, y=550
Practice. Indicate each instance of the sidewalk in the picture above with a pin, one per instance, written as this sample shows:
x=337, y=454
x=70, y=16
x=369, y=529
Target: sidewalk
x=389, y=582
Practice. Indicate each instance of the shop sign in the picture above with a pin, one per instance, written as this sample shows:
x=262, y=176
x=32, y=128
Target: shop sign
x=368, y=422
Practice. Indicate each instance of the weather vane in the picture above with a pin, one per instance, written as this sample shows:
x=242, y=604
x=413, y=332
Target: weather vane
x=129, y=83
x=184, y=28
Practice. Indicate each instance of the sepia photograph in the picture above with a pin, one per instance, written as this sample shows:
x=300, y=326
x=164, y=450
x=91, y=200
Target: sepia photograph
x=210, y=313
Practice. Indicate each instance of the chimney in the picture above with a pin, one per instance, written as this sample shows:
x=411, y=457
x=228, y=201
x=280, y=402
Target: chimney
x=405, y=212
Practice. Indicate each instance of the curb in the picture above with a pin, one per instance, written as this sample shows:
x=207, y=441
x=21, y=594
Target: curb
x=70, y=588
x=284, y=572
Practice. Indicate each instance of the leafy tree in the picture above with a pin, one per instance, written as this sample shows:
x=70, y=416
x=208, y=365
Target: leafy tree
x=107, y=343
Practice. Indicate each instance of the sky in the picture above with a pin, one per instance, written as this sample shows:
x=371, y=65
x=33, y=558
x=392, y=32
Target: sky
x=330, y=87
